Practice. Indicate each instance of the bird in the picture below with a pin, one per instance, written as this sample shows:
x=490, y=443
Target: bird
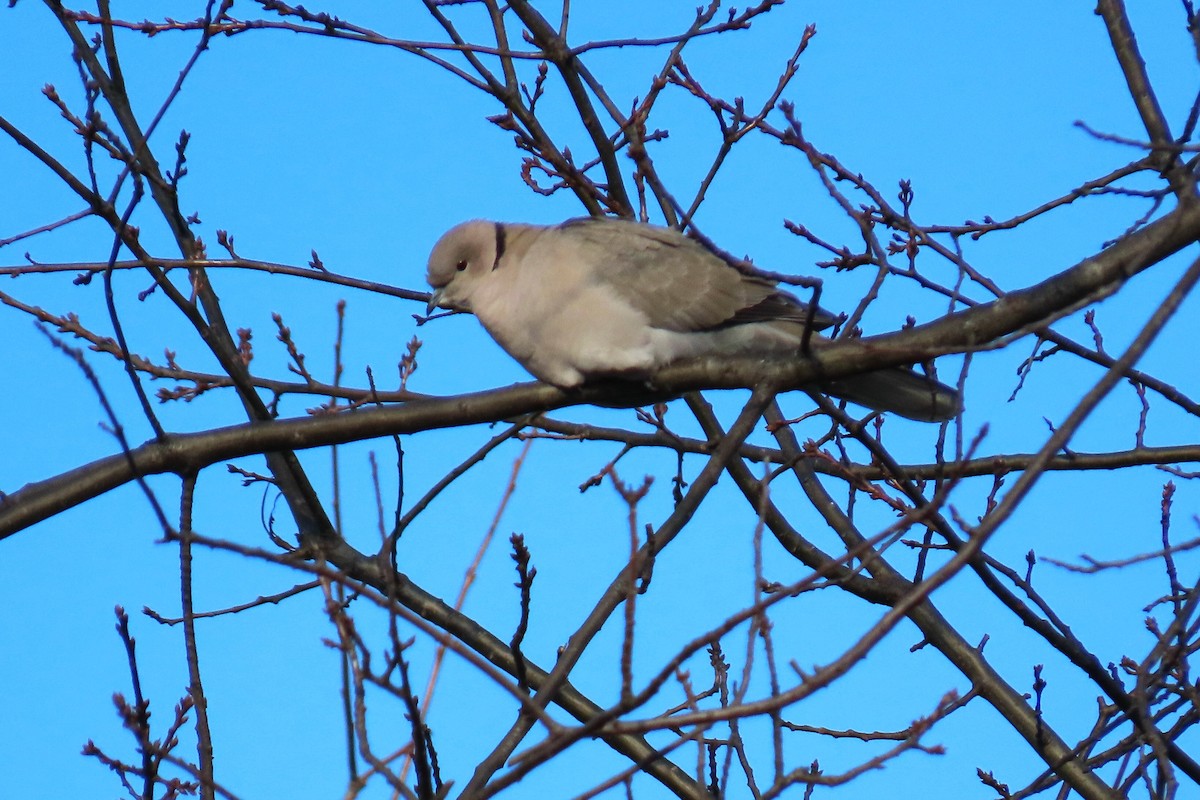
x=600, y=297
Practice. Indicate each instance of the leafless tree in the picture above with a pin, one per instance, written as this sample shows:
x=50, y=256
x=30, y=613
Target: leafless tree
x=719, y=715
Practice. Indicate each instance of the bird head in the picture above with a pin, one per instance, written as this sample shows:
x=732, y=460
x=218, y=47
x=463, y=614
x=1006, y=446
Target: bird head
x=463, y=257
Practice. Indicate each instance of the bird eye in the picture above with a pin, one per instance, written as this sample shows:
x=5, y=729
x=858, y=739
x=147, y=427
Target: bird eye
x=461, y=265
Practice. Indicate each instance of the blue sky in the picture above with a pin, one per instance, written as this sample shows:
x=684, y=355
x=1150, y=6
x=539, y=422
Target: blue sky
x=366, y=155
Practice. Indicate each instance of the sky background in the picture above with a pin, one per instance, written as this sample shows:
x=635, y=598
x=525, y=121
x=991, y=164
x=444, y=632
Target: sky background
x=366, y=155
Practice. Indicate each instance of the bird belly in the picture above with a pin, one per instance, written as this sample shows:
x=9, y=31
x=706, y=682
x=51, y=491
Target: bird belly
x=579, y=332
x=594, y=334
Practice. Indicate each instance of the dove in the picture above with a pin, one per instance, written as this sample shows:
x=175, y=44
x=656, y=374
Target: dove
x=599, y=297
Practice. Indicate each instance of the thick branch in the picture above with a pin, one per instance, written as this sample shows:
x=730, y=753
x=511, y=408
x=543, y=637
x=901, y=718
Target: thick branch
x=1088, y=281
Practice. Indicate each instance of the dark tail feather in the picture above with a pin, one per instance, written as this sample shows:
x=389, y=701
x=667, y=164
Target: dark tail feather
x=900, y=391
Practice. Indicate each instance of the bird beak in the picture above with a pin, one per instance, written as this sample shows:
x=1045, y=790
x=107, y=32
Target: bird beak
x=435, y=300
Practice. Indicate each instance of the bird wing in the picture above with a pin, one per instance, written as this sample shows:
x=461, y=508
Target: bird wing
x=677, y=282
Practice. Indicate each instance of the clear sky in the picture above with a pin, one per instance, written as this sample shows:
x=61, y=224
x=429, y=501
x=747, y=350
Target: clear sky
x=366, y=155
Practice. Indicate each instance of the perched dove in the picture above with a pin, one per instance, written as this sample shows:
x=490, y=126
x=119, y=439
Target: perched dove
x=602, y=297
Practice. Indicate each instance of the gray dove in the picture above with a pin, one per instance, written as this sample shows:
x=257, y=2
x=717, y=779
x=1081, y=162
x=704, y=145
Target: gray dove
x=603, y=298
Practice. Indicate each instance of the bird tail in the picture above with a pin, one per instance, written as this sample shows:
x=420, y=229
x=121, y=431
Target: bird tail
x=900, y=391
